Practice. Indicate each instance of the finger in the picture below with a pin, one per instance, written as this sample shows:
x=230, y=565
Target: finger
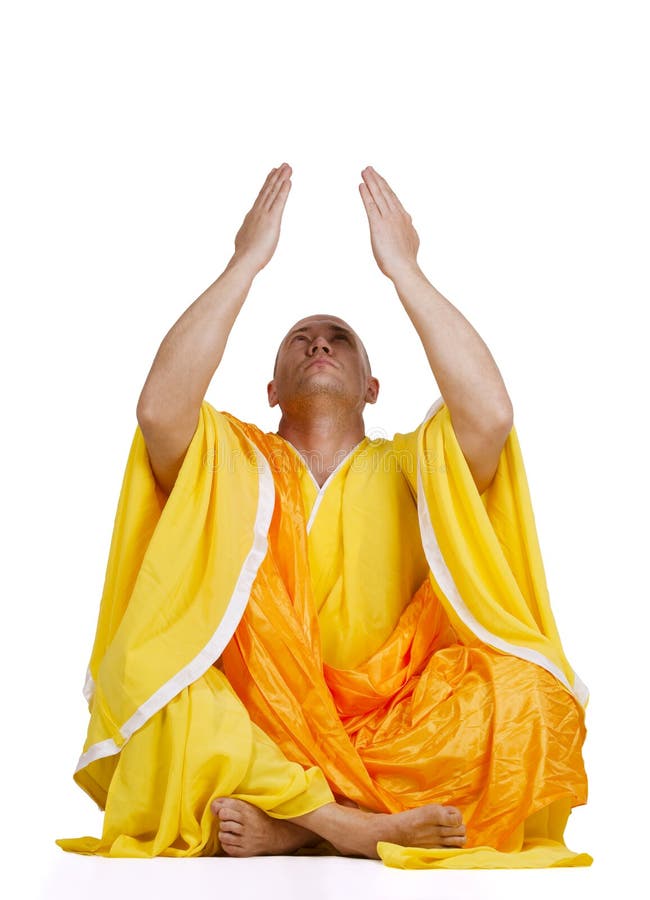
x=388, y=192
x=392, y=198
x=375, y=188
x=281, y=177
x=280, y=199
x=371, y=207
x=266, y=185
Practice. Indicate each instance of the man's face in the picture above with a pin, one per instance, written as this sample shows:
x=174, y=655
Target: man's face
x=322, y=355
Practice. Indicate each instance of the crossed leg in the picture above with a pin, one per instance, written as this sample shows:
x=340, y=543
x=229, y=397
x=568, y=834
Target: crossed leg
x=246, y=830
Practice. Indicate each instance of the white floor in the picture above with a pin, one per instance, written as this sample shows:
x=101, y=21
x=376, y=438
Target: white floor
x=315, y=878
x=73, y=877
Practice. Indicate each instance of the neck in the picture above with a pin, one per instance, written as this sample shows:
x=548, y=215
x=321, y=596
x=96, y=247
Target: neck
x=323, y=440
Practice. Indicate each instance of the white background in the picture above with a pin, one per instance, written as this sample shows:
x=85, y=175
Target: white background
x=137, y=136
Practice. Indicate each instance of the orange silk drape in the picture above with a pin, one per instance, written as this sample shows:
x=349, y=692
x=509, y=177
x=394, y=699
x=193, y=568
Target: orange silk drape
x=425, y=719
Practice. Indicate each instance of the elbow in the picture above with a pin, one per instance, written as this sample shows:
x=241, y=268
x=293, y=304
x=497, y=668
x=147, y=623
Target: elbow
x=144, y=411
x=506, y=417
x=500, y=420
x=140, y=412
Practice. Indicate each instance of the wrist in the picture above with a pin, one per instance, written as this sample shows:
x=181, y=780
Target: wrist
x=243, y=266
x=407, y=274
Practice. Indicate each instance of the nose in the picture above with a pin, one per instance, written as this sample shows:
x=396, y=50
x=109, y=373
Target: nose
x=319, y=343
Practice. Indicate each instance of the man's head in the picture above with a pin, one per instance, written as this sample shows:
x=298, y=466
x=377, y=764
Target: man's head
x=343, y=373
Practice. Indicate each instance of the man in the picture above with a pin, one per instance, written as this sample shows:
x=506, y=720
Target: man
x=296, y=618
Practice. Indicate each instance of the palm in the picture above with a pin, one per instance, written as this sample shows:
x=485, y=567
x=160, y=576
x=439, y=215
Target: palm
x=260, y=231
x=393, y=238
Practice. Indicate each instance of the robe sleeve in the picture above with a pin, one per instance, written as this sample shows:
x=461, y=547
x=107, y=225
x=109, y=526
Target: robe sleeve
x=483, y=551
x=178, y=576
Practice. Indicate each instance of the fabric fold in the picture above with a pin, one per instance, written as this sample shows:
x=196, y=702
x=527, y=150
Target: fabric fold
x=463, y=696
x=483, y=551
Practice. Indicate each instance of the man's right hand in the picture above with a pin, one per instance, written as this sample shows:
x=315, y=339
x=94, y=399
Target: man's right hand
x=258, y=237
x=170, y=402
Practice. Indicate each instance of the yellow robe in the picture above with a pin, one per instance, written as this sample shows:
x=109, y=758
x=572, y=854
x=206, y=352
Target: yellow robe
x=387, y=637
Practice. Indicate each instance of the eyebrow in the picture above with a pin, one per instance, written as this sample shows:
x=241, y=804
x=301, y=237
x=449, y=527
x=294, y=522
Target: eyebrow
x=336, y=328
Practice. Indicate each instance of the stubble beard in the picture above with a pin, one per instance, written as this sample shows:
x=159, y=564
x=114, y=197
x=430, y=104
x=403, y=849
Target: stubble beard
x=321, y=395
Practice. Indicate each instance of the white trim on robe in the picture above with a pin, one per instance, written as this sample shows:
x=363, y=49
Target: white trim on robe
x=433, y=409
x=321, y=490
x=444, y=578
x=89, y=686
x=215, y=646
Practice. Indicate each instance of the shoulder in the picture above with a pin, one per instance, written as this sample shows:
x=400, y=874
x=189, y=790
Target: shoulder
x=407, y=442
x=223, y=418
x=401, y=452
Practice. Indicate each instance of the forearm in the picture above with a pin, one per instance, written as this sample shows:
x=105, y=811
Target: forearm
x=465, y=371
x=193, y=348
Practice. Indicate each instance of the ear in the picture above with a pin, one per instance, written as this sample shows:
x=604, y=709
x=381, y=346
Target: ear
x=373, y=390
x=272, y=393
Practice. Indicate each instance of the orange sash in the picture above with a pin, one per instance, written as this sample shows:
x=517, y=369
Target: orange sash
x=425, y=720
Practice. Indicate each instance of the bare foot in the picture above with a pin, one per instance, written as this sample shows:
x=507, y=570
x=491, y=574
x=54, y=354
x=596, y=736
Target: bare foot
x=355, y=832
x=246, y=830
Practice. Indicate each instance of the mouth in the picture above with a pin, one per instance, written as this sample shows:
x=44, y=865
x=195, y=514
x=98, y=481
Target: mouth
x=320, y=362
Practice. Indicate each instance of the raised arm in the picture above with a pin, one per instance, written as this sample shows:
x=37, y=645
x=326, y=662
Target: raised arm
x=170, y=401
x=465, y=371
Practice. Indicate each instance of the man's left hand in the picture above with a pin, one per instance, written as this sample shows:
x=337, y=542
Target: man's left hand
x=394, y=240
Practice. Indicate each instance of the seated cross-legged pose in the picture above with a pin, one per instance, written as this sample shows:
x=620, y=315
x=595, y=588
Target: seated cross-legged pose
x=314, y=641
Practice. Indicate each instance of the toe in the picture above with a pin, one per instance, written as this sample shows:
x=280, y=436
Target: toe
x=230, y=810
x=452, y=830
x=230, y=845
x=453, y=816
x=231, y=827
x=455, y=840
x=216, y=804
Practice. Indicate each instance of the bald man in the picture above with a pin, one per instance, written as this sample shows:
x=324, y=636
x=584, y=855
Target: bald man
x=401, y=709
x=172, y=394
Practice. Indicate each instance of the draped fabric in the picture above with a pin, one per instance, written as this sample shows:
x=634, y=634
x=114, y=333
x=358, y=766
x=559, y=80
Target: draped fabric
x=387, y=638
